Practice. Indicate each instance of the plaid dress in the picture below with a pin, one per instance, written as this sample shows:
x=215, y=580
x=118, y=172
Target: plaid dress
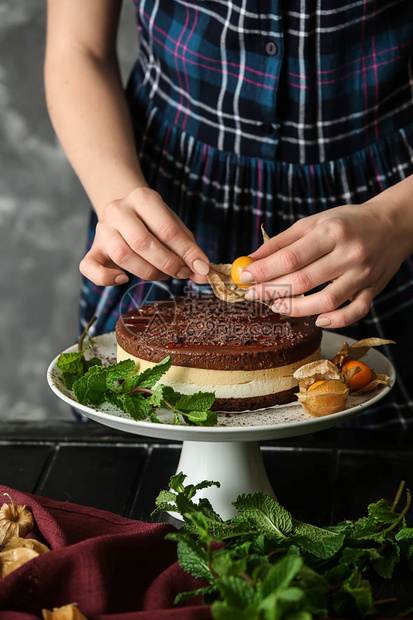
x=262, y=111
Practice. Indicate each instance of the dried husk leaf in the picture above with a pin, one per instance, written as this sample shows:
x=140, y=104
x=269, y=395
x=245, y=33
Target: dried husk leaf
x=376, y=380
x=14, y=558
x=325, y=399
x=223, y=286
x=68, y=612
x=341, y=356
x=28, y=543
x=360, y=348
x=319, y=370
x=357, y=350
x=265, y=237
x=14, y=521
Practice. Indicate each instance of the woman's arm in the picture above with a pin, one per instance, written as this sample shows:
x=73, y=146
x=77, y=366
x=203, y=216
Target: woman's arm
x=136, y=231
x=356, y=249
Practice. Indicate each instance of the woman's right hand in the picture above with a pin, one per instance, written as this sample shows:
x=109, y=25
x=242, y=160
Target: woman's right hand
x=142, y=235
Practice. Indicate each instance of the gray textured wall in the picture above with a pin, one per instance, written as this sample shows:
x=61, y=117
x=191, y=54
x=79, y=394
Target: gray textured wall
x=43, y=215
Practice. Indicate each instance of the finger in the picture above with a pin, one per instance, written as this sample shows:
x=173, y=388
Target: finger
x=288, y=236
x=101, y=270
x=288, y=259
x=121, y=254
x=199, y=279
x=319, y=272
x=183, y=226
x=325, y=301
x=162, y=222
x=93, y=267
x=354, y=311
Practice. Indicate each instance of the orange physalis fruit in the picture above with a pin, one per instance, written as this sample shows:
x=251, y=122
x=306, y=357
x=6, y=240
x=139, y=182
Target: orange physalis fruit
x=361, y=378
x=313, y=385
x=239, y=265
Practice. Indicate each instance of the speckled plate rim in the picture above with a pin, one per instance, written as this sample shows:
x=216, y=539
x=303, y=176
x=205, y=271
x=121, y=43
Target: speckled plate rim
x=258, y=431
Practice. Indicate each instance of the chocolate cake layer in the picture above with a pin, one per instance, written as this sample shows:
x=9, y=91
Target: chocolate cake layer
x=254, y=402
x=205, y=332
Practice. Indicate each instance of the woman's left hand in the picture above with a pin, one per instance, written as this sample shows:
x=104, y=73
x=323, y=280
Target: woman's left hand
x=355, y=249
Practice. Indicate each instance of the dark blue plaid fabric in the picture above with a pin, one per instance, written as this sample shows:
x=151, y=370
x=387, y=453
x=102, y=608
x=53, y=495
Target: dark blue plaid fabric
x=301, y=81
x=265, y=112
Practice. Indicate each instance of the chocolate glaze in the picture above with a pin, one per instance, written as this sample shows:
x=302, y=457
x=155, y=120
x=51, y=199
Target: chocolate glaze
x=205, y=332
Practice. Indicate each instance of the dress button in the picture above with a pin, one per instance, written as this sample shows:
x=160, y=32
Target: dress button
x=271, y=48
x=267, y=128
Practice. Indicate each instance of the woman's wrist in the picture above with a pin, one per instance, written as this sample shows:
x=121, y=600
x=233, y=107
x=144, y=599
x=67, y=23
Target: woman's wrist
x=394, y=206
x=121, y=181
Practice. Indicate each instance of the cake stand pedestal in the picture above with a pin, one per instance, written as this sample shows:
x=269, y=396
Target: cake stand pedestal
x=236, y=465
x=228, y=453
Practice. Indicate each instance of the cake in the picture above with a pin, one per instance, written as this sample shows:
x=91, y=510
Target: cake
x=244, y=352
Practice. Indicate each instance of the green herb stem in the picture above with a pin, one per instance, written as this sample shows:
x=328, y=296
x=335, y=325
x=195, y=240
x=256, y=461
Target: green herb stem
x=403, y=512
x=398, y=495
x=84, y=333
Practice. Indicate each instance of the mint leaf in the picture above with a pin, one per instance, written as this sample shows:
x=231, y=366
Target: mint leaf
x=238, y=592
x=148, y=377
x=312, y=532
x=193, y=558
x=381, y=511
x=201, y=401
x=156, y=398
x=69, y=378
x=388, y=559
x=154, y=418
x=405, y=533
x=280, y=575
x=137, y=406
x=72, y=362
x=94, y=361
x=90, y=389
x=201, y=418
x=183, y=596
x=265, y=513
x=115, y=399
x=170, y=395
x=323, y=549
x=118, y=372
x=222, y=611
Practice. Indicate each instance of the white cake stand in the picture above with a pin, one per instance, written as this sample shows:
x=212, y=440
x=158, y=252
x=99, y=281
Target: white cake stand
x=229, y=452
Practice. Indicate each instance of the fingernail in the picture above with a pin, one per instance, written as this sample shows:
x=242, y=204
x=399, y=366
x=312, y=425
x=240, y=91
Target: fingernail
x=323, y=322
x=184, y=273
x=121, y=279
x=201, y=267
x=251, y=295
x=245, y=277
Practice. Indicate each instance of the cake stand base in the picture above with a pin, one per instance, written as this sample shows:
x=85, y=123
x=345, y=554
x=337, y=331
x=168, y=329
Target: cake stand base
x=237, y=465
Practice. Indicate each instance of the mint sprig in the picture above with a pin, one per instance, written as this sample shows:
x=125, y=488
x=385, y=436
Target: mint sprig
x=138, y=394
x=265, y=565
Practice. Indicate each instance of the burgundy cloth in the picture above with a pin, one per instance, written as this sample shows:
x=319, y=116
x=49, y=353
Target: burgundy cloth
x=110, y=566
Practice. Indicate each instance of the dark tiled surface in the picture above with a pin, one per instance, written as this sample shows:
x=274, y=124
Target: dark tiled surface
x=320, y=478
x=95, y=475
x=21, y=465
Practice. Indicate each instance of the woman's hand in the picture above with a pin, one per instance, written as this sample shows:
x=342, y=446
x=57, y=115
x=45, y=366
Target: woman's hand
x=355, y=249
x=142, y=235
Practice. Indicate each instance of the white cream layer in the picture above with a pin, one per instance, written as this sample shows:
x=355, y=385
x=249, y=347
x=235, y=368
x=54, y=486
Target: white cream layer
x=226, y=383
